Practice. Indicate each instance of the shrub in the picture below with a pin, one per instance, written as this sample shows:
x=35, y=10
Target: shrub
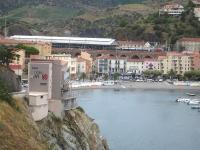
x=80, y=109
x=4, y=94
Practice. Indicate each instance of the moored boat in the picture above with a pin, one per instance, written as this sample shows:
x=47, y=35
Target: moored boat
x=116, y=89
x=185, y=100
x=194, y=102
x=190, y=94
x=195, y=107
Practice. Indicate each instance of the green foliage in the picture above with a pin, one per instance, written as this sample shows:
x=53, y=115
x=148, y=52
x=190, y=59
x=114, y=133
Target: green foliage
x=83, y=76
x=116, y=76
x=28, y=50
x=80, y=109
x=4, y=94
x=152, y=73
x=7, y=54
x=1, y=126
x=193, y=75
x=105, y=77
x=172, y=74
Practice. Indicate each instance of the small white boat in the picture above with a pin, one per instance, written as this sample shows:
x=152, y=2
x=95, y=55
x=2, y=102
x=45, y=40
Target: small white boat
x=191, y=94
x=194, y=102
x=184, y=100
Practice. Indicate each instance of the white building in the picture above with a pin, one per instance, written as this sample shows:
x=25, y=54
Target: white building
x=111, y=65
x=197, y=13
x=135, y=45
x=71, y=42
x=38, y=103
x=51, y=77
x=135, y=66
x=172, y=9
x=71, y=62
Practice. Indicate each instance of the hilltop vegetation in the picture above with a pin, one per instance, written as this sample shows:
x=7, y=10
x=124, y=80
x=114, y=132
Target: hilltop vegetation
x=131, y=20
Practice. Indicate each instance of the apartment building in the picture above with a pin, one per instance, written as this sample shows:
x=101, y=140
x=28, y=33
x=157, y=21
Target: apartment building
x=44, y=48
x=18, y=64
x=71, y=62
x=179, y=62
x=188, y=44
x=196, y=60
x=150, y=64
x=81, y=66
x=135, y=66
x=111, y=65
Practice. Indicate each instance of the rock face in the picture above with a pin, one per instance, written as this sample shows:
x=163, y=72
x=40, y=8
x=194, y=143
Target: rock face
x=75, y=132
x=8, y=75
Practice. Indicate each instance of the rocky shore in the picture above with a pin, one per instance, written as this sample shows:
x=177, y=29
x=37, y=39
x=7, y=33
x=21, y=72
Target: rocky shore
x=76, y=131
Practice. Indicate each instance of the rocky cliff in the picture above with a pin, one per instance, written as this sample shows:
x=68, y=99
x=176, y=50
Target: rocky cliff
x=75, y=132
x=10, y=78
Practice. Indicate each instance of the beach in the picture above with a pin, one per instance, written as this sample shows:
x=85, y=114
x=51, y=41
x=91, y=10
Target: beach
x=141, y=85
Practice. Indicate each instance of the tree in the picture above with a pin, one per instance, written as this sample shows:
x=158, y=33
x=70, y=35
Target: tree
x=7, y=54
x=116, y=76
x=152, y=73
x=28, y=50
x=105, y=77
x=83, y=76
x=171, y=74
x=4, y=93
x=192, y=75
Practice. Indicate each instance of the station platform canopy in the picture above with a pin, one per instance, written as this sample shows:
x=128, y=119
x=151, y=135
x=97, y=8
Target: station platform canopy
x=67, y=40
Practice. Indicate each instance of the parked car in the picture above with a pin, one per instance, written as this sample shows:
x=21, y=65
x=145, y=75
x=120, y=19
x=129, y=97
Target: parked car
x=139, y=80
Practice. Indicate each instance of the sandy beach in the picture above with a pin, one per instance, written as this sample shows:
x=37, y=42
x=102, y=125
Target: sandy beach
x=143, y=85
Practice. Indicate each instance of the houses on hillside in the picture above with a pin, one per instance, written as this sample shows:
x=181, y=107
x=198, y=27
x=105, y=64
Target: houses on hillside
x=197, y=12
x=188, y=44
x=172, y=9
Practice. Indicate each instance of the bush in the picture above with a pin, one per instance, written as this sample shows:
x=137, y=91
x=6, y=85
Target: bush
x=80, y=109
x=4, y=94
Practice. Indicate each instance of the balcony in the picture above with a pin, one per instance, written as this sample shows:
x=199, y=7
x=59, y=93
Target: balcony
x=70, y=101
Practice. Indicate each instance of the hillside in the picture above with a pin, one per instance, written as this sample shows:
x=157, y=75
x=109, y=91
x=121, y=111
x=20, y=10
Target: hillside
x=131, y=20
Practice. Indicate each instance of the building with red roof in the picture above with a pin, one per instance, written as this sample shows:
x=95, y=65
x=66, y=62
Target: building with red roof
x=188, y=44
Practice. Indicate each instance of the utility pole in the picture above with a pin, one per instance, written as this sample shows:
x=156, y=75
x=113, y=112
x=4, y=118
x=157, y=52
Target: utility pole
x=5, y=28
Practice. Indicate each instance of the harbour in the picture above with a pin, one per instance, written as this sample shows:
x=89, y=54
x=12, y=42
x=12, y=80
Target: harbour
x=144, y=118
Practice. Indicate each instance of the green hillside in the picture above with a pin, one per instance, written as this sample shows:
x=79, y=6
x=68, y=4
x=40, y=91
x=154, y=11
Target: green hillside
x=131, y=20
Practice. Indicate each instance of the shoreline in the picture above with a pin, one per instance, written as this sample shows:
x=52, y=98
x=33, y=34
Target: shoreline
x=142, y=85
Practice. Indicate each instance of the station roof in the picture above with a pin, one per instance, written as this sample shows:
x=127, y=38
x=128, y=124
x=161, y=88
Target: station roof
x=67, y=40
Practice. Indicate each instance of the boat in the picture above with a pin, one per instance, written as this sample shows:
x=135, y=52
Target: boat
x=195, y=107
x=116, y=89
x=194, y=102
x=184, y=100
x=108, y=83
x=190, y=94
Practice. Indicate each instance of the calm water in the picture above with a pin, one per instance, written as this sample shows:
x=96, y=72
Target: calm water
x=143, y=119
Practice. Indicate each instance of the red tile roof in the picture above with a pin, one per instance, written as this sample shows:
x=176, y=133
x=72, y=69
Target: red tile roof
x=172, y=6
x=186, y=39
x=15, y=66
x=110, y=57
x=11, y=41
x=196, y=2
x=131, y=42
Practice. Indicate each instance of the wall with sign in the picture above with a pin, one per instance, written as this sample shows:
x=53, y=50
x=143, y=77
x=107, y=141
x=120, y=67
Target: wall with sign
x=40, y=78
